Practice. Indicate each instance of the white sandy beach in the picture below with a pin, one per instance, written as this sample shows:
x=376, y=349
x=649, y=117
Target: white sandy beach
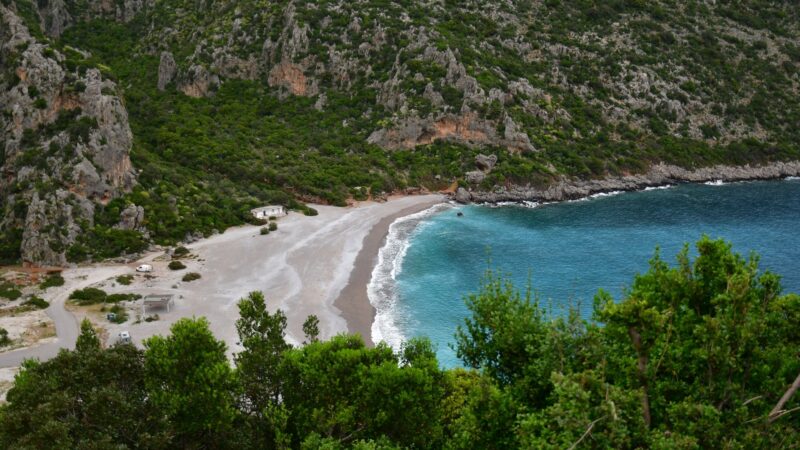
x=301, y=268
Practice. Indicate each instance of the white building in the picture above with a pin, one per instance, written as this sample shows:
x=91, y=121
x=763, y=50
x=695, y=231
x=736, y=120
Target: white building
x=265, y=212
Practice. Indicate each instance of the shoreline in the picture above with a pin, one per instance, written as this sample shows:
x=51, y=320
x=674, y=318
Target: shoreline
x=657, y=176
x=353, y=300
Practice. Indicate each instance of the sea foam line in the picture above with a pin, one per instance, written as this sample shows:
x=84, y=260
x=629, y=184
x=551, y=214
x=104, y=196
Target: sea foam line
x=658, y=188
x=382, y=288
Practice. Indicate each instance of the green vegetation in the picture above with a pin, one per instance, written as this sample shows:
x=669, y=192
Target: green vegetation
x=120, y=314
x=176, y=265
x=53, y=280
x=695, y=355
x=273, y=226
x=264, y=231
x=4, y=339
x=36, y=303
x=124, y=280
x=191, y=276
x=93, y=296
x=688, y=83
x=180, y=252
x=9, y=291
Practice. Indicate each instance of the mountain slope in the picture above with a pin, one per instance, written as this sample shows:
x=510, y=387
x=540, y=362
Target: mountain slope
x=234, y=104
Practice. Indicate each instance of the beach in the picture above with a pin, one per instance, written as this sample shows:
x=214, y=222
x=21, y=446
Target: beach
x=353, y=301
x=317, y=265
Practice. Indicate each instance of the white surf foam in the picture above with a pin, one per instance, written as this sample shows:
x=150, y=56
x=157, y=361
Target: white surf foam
x=381, y=289
x=658, y=188
x=714, y=183
x=792, y=178
x=606, y=194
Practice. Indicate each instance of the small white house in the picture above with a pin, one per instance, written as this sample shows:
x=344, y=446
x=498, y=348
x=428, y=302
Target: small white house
x=265, y=212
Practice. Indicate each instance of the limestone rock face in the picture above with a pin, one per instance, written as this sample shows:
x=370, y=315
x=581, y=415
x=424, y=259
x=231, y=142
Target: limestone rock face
x=463, y=196
x=199, y=82
x=485, y=163
x=166, y=70
x=475, y=177
x=131, y=218
x=66, y=144
x=467, y=128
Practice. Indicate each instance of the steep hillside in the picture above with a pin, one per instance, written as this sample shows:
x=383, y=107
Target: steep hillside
x=233, y=104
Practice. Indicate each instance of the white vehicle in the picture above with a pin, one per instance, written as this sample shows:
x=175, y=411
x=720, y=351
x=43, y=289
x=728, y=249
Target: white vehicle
x=124, y=337
x=144, y=268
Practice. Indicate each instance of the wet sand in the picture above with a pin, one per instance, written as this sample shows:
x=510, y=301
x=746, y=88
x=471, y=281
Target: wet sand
x=353, y=301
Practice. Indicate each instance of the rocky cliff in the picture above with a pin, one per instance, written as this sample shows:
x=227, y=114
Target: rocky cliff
x=510, y=74
x=65, y=144
x=227, y=105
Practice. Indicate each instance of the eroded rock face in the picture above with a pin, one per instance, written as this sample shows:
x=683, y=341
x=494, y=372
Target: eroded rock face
x=166, y=70
x=291, y=77
x=66, y=145
x=485, y=163
x=467, y=128
x=131, y=218
x=199, y=82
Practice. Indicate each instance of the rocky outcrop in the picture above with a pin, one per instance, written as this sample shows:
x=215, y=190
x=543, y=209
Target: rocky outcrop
x=485, y=163
x=291, y=77
x=658, y=175
x=467, y=128
x=199, y=82
x=131, y=218
x=66, y=145
x=55, y=16
x=166, y=70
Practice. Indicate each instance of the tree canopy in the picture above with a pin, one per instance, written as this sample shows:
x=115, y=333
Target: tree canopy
x=700, y=354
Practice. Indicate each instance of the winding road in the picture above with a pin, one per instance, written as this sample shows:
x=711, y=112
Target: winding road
x=67, y=328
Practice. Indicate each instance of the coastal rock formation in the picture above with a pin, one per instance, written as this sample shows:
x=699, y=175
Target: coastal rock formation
x=66, y=144
x=658, y=175
x=485, y=163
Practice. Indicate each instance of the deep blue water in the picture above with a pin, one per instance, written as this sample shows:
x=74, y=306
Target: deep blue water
x=569, y=250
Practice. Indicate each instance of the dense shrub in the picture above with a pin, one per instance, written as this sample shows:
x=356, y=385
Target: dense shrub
x=36, y=303
x=9, y=291
x=273, y=226
x=88, y=296
x=4, y=339
x=176, y=265
x=264, y=230
x=180, y=251
x=191, y=276
x=53, y=280
x=125, y=280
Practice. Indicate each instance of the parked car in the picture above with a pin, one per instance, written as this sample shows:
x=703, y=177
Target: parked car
x=124, y=337
x=144, y=268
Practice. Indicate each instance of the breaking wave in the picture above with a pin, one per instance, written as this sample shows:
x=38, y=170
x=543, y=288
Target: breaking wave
x=382, y=288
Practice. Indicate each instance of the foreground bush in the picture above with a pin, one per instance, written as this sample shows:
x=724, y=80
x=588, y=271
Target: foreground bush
x=698, y=355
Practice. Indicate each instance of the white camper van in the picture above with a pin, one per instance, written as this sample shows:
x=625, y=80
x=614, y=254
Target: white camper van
x=144, y=268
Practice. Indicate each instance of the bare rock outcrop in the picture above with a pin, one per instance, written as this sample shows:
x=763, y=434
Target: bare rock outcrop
x=131, y=218
x=166, y=70
x=467, y=128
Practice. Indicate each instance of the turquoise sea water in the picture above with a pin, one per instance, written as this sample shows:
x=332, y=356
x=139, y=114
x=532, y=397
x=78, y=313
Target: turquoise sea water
x=569, y=250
